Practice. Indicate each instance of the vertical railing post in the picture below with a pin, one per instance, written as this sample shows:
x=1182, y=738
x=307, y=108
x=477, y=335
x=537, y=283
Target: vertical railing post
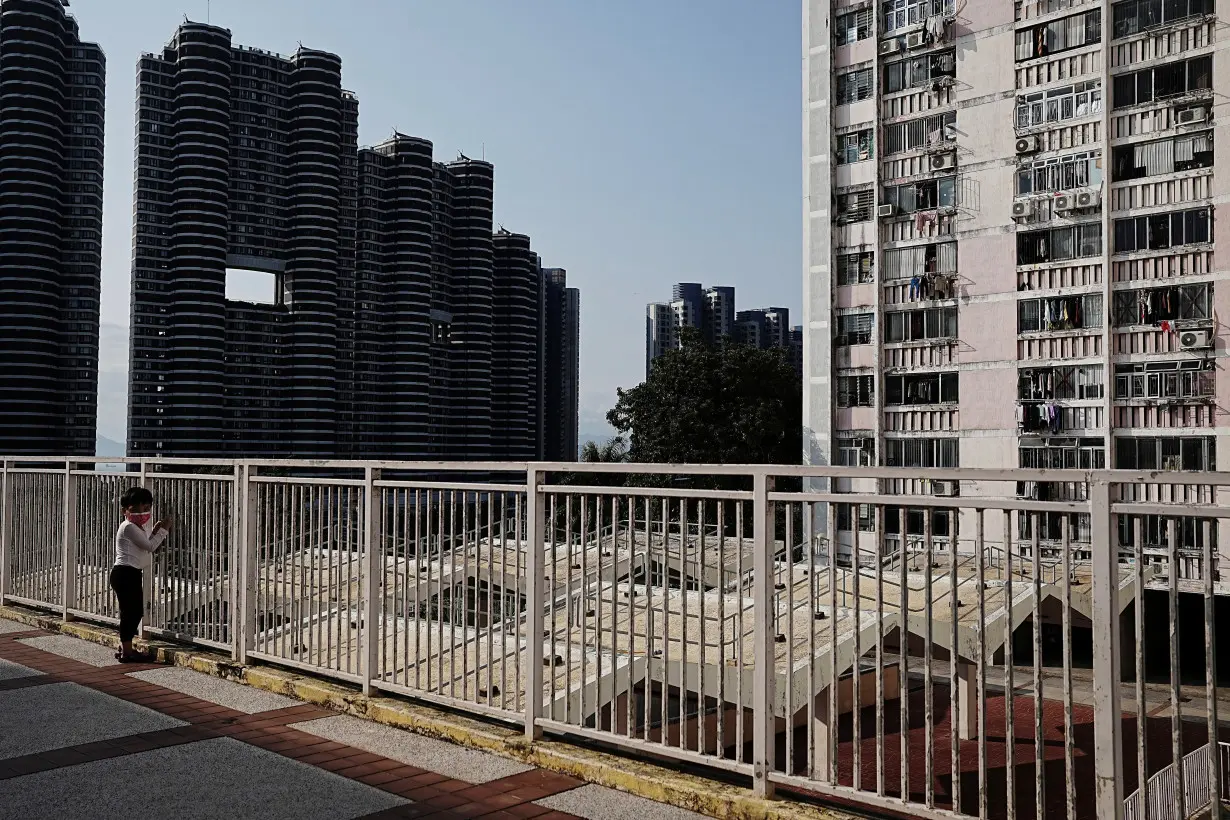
x=68, y=554
x=764, y=721
x=147, y=583
x=373, y=575
x=242, y=623
x=249, y=555
x=6, y=529
x=1108, y=713
x=535, y=591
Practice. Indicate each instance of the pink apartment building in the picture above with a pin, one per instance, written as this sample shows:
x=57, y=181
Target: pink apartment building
x=1011, y=243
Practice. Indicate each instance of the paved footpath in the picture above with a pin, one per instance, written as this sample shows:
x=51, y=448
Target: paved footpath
x=82, y=736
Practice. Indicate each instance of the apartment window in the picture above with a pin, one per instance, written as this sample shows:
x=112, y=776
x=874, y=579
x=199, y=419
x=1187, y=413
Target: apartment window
x=1059, y=35
x=900, y=14
x=923, y=196
x=1051, y=526
x=853, y=26
x=921, y=388
x=1165, y=453
x=921, y=133
x=1185, y=379
x=1169, y=80
x=919, y=71
x=1063, y=454
x=1154, y=305
x=1146, y=159
x=1083, y=170
x=855, y=328
x=856, y=268
x=853, y=86
x=856, y=207
x=906, y=263
x=1059, y=244
x=915, y=520
x=1059, y=313
x=1065, y=382
x=1134, y=16
x=922, y=452
x=918, y=325
x=1155, y=531
x=864, y=515
x=856, y=391
x=1161, y=231
x=857, y=146
x=855, y=449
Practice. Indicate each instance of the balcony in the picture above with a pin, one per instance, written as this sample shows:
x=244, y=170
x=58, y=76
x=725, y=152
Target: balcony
x=732, y=630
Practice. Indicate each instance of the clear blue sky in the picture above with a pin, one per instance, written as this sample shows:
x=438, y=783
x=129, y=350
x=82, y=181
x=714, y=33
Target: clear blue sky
x=639, y=142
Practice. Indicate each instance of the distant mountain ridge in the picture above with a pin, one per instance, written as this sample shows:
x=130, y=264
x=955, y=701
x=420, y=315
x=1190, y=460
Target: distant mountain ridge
x=108, y=448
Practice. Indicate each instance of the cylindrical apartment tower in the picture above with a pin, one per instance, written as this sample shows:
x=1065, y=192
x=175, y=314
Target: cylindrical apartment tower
x=51, y=119
x=471, y=258
x=514, y=349
x=407, y=295
x=313, y=183
x=195, y=283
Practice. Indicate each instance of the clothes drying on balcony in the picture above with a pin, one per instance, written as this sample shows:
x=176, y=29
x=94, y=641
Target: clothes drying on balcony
x=1046, y=417
x=926, y=286
x=1063, y=313
x=1038, y=384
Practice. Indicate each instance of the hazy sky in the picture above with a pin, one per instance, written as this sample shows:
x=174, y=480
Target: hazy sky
x=638, y=142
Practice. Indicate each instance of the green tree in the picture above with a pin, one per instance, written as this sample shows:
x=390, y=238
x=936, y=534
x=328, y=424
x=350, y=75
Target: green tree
x=611, y=451
x=730, y=404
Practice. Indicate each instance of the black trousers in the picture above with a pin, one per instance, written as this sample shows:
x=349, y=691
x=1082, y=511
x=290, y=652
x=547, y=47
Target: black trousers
x=126, y=581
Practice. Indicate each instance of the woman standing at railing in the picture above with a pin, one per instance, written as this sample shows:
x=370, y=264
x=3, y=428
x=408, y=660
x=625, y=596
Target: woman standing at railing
x=135, y=543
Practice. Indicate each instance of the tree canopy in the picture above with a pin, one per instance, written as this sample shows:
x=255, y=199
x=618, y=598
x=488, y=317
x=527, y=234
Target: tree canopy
x=730, y=404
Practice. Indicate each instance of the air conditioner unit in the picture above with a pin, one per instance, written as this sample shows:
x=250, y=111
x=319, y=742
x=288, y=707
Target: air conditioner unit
x=1027, y=145
x=917, y=39
x=944, y=162
x=1088, y=199
x=1192, y=115
x=890, y=46
x=947, y=489
x=1022, y=209
x=1063, y=202
x=886, y=210
x=1195, y=340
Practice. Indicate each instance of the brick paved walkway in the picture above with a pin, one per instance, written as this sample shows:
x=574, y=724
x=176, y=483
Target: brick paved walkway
x=88, y=737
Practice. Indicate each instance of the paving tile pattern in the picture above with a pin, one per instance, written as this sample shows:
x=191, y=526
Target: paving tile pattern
x=431, y=794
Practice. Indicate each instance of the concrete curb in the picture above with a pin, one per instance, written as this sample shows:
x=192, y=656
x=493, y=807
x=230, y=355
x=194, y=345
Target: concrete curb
x=637, y=777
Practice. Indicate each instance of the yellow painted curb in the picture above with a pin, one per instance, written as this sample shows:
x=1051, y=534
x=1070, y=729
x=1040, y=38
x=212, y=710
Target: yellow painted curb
x=637, y=777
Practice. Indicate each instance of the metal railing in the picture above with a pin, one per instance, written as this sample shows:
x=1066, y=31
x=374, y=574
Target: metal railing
x=693, y=612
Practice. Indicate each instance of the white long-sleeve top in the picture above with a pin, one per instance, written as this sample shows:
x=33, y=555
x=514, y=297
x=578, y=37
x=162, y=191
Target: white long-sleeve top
x=133, y=548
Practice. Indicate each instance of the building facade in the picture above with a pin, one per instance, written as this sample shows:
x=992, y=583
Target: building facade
x=52, y=88
x=402, y=325
x=1015, y=199
x=561, y=366
x=711, y=311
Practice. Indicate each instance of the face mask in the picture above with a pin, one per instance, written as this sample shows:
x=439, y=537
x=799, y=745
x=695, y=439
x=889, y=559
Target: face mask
x=142, y=520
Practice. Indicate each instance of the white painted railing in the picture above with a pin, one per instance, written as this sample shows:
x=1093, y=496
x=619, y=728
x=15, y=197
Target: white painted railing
x=1163, y=788
x=694, y=615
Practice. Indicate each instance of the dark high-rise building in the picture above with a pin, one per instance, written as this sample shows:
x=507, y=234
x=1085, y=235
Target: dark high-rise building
x=246, y=160
x=711, y=311
x=51, y=184
x=763, y=327
x=400, y=327
x=561, y=367
x=516, y=378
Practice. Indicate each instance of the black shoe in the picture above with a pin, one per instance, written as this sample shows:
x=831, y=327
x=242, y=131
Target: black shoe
x=135, y=657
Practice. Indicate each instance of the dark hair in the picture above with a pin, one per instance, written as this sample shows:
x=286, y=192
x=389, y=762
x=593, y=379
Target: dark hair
x=134, y=496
